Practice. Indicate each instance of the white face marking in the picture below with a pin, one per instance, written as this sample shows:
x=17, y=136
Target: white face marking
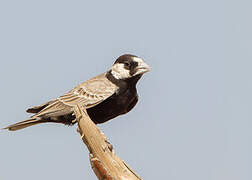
x=137, y=59
x=142, y=67
x=119, y=72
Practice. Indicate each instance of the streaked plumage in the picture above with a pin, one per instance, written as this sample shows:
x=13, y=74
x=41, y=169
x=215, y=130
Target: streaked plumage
x=105, y=96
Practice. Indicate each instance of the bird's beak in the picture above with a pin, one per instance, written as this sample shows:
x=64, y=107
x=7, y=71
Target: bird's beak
x=142, y=68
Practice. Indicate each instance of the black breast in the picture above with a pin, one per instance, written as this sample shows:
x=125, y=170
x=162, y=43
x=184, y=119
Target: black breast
x=114, y=106
x=119, y=103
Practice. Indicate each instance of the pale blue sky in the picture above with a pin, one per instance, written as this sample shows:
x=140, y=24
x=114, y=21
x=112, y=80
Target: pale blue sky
x=193, y=120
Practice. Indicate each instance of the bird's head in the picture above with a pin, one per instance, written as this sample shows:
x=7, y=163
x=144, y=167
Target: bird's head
x=128, y=66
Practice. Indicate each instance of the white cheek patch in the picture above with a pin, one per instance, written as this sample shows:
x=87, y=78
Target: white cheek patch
x=119, y=72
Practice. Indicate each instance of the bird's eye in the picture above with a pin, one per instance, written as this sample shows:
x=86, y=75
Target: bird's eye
x=127, y=64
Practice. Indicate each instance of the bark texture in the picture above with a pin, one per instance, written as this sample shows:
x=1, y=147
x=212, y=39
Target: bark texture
x=105, y=163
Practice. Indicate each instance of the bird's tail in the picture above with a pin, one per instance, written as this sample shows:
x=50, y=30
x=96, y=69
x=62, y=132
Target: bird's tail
x=24, y=124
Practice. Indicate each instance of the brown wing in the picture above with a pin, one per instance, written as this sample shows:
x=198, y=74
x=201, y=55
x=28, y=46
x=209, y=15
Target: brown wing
x=89, y=94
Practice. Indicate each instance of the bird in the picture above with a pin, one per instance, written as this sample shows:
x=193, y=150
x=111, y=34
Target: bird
x=104, y=97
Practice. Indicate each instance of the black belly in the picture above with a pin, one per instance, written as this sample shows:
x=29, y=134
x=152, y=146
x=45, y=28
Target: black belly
x=114, y=106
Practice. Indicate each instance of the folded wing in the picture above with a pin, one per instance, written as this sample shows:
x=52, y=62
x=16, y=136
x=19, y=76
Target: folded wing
x=88, y=94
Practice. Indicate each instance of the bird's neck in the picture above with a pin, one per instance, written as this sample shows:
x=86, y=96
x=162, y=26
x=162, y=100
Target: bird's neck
x=133, y=80
x=123, y=82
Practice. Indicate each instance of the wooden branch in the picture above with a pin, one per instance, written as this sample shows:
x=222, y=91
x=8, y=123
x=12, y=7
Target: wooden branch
x=105, y=163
